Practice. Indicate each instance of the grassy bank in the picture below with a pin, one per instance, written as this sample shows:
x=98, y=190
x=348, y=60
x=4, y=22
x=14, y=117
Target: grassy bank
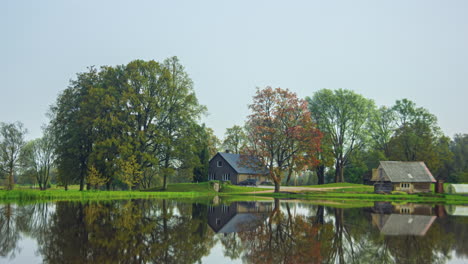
x=330, y=192
x=180, y=190
x=364, y=193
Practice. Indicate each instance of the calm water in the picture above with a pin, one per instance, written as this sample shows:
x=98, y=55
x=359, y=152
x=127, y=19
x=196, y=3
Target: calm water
x=168, y=231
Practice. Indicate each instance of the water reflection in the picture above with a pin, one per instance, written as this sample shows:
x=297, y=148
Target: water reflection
x=407, y=219
x=164, y=231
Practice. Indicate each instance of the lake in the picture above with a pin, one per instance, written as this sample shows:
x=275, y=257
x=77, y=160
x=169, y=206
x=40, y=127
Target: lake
x=206, y=231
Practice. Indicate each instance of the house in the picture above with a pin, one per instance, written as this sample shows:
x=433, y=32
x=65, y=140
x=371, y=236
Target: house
x=238, y=216
x=410, y=177
x=225, y=166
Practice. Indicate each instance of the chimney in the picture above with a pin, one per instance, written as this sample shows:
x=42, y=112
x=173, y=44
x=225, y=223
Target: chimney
x=228, y=151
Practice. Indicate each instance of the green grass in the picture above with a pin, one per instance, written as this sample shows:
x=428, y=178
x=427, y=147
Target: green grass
x=350, y=192
x=340, y=184
x=205, y=187
x=72, y=195
x=180, y=190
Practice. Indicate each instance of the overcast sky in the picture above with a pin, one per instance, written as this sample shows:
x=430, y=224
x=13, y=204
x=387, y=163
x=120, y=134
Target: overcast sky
x=384, y=50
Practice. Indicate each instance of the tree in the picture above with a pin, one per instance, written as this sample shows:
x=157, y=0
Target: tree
x=129, y=172
x=181, y=111
x=382, y=128
x=95, y=178
x=459, y=168
x=234, y=139
x=205, y=143
x=71, y=125
x=418, y=138
x=38, y=155
x=281, y=133
x=11, y=142
x=342, y=116
x=143, y=110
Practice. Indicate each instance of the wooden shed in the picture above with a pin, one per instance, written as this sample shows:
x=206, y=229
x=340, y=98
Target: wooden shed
x=410, y=177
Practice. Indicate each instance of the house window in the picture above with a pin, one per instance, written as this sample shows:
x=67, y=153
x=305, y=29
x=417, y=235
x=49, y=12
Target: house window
x=220, y=163
x=218, y=221
x=225, y=208
x=405, y=185
x=226, y=177
x=211, y=176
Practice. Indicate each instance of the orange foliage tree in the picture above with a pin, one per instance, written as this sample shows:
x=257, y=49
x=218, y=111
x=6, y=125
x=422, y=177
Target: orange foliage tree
x=281, y=133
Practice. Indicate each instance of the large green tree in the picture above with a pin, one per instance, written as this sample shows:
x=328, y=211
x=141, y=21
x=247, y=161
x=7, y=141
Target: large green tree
x=11, y=142
x=419, y=138
x=382, y=127
x=143, y=113
x=342, y=115
x=71, y=124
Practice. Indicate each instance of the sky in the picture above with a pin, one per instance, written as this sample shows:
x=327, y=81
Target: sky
x=383, y=50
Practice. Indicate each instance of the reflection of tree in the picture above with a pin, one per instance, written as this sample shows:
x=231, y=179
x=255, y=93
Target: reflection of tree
x=9, y=235
x=232, y=245
x=161, y=231
x=140, y=231
x=458, y=227
x=434, y=247
x=287, y=238
x=29, y=219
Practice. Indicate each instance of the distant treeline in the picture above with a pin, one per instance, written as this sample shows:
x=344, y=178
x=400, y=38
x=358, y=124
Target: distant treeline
x=138, y=126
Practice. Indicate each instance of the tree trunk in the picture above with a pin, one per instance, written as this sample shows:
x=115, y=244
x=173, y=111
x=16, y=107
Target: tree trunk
x=320, y=170
x=339, y=173
x=11, y=181
x=81, y=182
x=289, y=177
x=277, y=187
x=166, y=166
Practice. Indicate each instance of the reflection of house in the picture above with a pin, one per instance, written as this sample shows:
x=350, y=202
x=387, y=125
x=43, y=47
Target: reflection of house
x=397, y=225
x=403, y=219
x=402, y=176
x=408, y=208
x=238, y=216
x=235, y=168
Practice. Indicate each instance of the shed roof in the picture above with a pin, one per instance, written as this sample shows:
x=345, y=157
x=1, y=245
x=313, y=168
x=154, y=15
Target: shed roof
x=404, y=171
x=243, y=164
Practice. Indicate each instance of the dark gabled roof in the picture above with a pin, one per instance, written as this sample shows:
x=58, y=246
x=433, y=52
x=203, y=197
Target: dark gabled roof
x=403, y=171
x=243, y=164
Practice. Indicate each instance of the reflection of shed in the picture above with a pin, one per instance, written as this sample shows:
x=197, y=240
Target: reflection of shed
x=407, y=208
x=398, y=224
x=238, y=216
x=402, y=176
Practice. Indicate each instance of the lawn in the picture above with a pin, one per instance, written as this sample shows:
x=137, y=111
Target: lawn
x=345, y=187
x=179, y=190
x=343, y=192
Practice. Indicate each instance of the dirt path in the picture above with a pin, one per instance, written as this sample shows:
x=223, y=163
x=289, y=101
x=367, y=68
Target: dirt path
x=300, y=189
